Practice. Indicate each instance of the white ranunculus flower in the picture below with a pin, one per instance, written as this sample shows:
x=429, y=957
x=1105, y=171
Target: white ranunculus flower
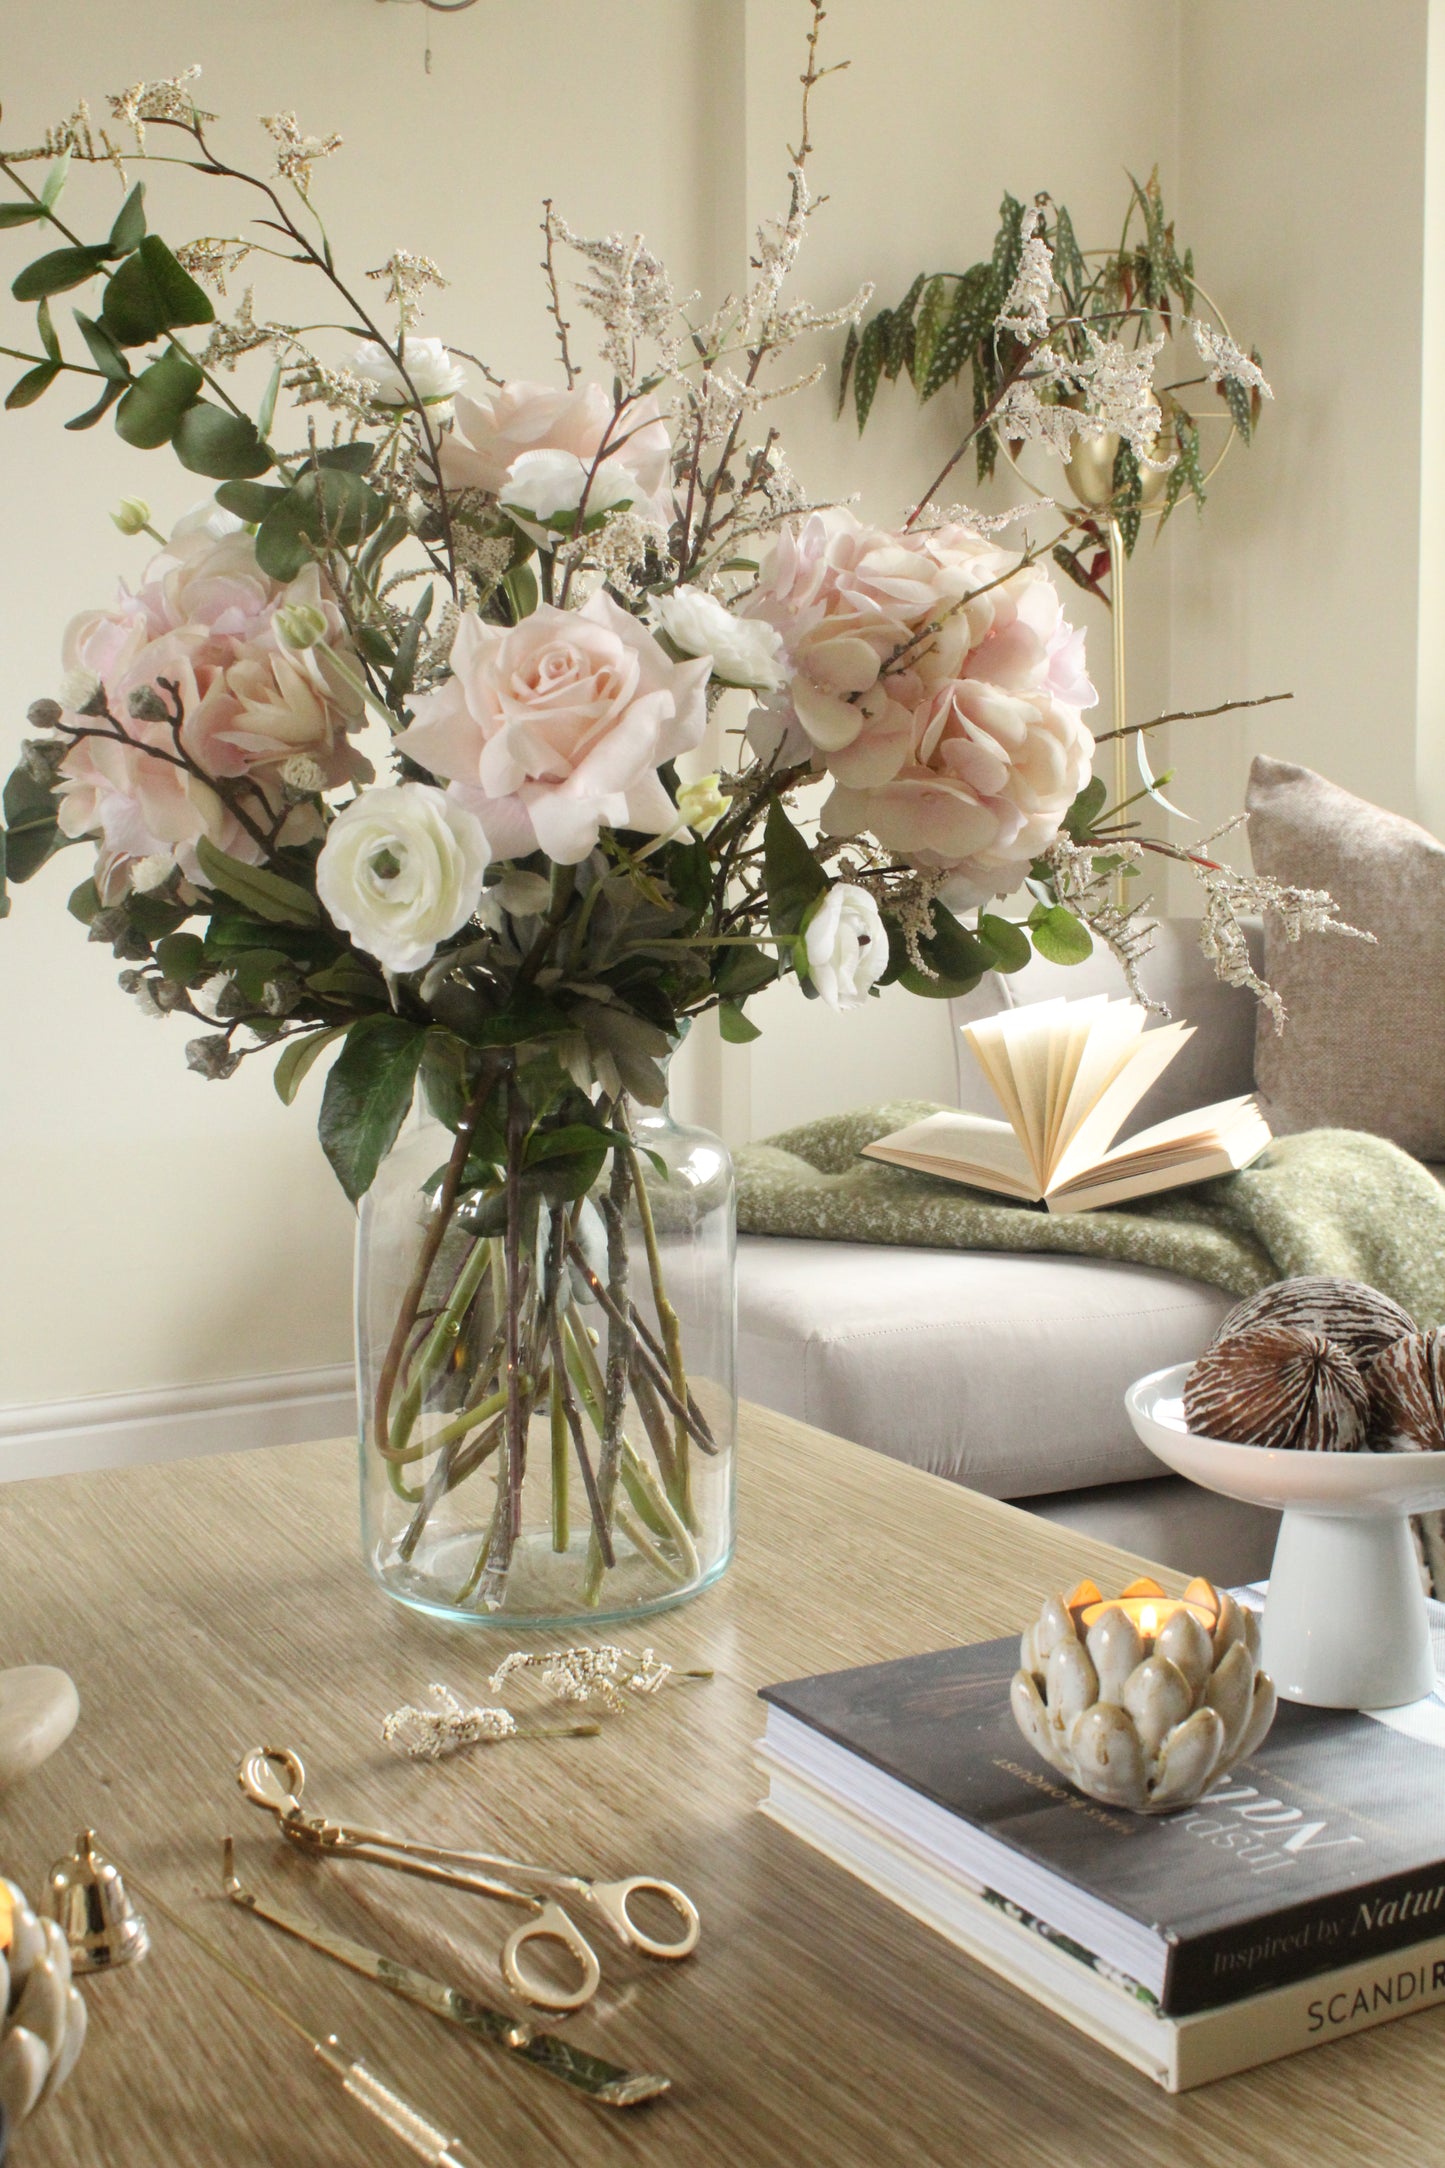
x=431, y=368
x=743, y=650
x=400, y=870
x=847, y=945
x=547, y=485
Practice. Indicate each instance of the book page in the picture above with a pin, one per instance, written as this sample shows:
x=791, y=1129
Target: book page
x=1150, y=1057
x=1012, y=1051
x=1112, y=1044
x=1123, y=1180
x=962, y=1148
x=1066, y=1051
x=1201, y=1125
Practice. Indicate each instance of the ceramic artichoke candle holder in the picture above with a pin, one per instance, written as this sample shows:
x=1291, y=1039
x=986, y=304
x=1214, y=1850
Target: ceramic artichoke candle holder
x=1145, y=1700
x=42, y=2017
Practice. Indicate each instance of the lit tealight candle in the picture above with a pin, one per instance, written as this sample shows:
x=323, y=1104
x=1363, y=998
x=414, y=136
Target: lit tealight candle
x=1146, y=1605
x=7, y=1917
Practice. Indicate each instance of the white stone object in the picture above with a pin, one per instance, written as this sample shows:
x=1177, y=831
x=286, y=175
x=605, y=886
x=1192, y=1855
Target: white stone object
x=38, y=1710
x=1141, y=1719
x=1345, y=1624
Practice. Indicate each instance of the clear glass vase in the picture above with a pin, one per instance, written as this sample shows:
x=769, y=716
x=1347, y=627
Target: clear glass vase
x=547, y=1409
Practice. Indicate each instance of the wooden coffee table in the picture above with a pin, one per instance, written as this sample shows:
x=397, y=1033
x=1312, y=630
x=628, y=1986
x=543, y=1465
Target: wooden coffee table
x=208, y=1606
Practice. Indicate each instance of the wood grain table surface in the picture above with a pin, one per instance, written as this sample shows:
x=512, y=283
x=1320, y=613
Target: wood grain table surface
x=211, y=1605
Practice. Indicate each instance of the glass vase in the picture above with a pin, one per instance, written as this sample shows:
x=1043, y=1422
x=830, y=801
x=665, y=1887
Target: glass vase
x=545, y=1386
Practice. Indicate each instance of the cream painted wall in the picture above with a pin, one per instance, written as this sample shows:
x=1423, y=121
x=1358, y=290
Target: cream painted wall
x=160, y=1230
x=1302, y=153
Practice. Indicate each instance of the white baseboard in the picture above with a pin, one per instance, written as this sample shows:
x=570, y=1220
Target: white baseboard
x=64, y=1437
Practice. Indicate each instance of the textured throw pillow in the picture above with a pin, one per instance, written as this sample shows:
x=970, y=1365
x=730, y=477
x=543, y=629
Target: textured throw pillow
x=1364, y=1047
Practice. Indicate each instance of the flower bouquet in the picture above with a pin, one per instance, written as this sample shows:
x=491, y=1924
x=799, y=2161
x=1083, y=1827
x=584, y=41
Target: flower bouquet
x=403, y=752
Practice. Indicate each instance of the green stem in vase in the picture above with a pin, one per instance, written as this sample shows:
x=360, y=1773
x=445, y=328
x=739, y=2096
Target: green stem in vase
x=561, y=1531
x=653, y=1505
x=671, y=1328
x=436, y=1349
x=569, y=1363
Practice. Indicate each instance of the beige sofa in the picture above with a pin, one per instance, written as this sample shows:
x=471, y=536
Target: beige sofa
x=1008, y=1373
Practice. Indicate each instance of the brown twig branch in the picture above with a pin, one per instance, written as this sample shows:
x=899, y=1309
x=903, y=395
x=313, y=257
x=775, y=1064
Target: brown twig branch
x=1189, y=715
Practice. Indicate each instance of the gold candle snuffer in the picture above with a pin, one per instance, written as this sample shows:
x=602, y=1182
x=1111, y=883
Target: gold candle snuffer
x=273, y=1778
x=604, y=2082
x=427, y=2140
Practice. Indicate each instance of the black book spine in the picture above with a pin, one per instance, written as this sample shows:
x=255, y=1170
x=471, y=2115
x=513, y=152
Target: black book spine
x=1302, y=1940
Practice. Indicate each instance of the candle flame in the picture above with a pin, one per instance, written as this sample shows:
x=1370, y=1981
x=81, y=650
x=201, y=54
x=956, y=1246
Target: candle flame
x=1149, y=1620
x=7, y=1917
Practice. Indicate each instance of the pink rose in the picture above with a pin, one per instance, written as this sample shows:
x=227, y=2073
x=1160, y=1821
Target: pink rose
x=552, y=729
x=205, y=621
x=494, y=431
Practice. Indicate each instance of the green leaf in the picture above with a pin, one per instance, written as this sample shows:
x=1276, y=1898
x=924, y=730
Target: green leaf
x=348, y=979
x=845, y=369
x=182, y=957
x=57, y=272
x=736, y=1028
x=367, y=1098
x=129, y=229
x=1086, y=808
x=84, y=901
x=266, y=412
x=956, y=960
x=332, y=506
x=267, y=895
x=354, y=458
x=868, y=367
x=522, y=591
x=739, y=972
x=250, y=501
x=104, y=352
x=4, y=891
x=19, y=214
x=150, y=295
x=794, y=877
x=32, y=835
x=45, y=325
x=446, y=1075
x=150, y=410
x=33, y=385
x=933, y=310
x=408, y=648
x=960, y=331
x=1068, y=257
x=298, y=1057
x=1058, y=935
x=55, y=181
x=102, y=406
x=1008, y=943
x=226, y=447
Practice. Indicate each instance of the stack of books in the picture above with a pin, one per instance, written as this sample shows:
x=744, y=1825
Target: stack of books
x=1301, y=1900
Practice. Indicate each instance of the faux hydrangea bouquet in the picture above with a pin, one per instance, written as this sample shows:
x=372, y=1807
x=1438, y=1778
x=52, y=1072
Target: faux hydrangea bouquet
x=539, y=591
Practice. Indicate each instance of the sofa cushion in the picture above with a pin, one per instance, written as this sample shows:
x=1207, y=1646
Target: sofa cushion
x=1006, y=1373
x=1217, y=1063
x=1364, y=1047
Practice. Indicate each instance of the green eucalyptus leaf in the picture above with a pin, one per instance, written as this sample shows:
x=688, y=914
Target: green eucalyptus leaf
x=182, y=957
x=1058, y=935
x=408, y=648
x=57, y=273
x=33, y=385
x=19, y=214
x=1007, y=943
x=368, y=1096
x=355, y=458
x=83, y=902
x=736, y=1028
x=104, y=352
x=45, y=325
x=298, y=1057
x=267, y=895
x=332, y=506
x=32, y=833
x=1086, y=808
x=150, y=295
x=349, y=978
x=102, y=407
x=152, y=407
x=130, y=227
x=739, y=972
x=223, y=446
x=250, y=501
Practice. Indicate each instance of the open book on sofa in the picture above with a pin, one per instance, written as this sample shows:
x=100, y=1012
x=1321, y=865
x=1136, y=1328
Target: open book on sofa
x=1068, y=1074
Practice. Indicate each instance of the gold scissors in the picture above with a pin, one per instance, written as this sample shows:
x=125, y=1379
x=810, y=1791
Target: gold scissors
x=273, y=1778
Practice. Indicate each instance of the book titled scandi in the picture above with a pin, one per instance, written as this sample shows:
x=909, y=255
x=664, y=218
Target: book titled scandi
x=1068, y=1074
x=1302, y=1899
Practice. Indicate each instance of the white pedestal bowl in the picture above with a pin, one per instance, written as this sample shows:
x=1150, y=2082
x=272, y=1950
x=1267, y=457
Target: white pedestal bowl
x=1345, y=1625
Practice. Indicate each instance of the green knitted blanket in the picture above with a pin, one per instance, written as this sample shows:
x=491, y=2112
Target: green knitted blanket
x=1331, y=1200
